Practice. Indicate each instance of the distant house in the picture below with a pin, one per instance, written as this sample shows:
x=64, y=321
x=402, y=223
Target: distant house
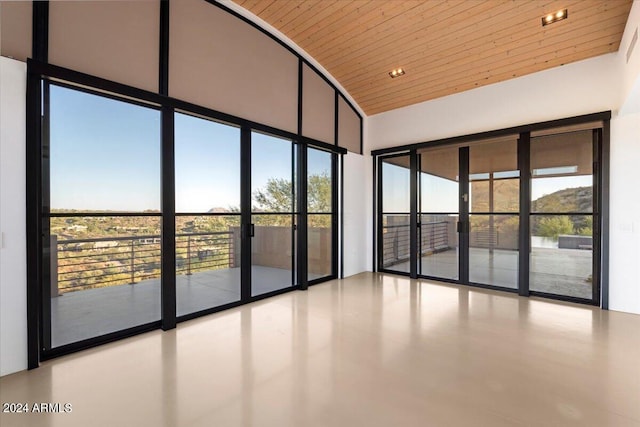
x=104, y=245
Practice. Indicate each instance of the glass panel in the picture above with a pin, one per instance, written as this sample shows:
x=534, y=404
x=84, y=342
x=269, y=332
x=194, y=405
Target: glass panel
x=319, y=186
x=439, y=190
x=562, y=173
x=207, y=262
x=493, y=174
x=395, y=185
x=319, y=199
x=320, y=244
x=494, y=195
x=207, y=166
x=439, y=246
x=562, y=245
x=439, y=180
x=104, y=154
x=562, y=255
x=494, y=156
x=562, y=194
x=494, y=187
x=271, y=174
x=207, y=181
x=272, y=250
x=104, y=270
x=395, y=242
x=493, y=250
x=273, y=244
x=105, y=275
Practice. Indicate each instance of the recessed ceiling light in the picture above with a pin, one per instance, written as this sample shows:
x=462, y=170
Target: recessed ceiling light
x=555, y=17
x=396, y=72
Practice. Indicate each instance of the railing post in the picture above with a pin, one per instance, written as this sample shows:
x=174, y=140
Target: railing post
x=133, y=265
x=395, y=245
x=434, y=236
x=53, y=247
x=231, y=256
x=188, y=255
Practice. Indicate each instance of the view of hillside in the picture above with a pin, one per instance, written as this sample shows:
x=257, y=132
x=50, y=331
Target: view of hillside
x=95, y=251
x=506, y=200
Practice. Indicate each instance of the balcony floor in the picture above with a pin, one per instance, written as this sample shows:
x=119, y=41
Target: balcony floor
x=89, y=313
x=554, y=271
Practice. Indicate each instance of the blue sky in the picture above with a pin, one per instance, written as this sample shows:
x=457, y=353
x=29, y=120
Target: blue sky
x=105, y=155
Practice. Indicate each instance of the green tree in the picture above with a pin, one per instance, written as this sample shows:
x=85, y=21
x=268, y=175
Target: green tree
x=319, y=193
x=587, y=230
x=277, y=196
x=554, y=226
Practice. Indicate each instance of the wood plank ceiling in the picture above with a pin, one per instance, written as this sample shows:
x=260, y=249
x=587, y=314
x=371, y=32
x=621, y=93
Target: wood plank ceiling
x=445, y=47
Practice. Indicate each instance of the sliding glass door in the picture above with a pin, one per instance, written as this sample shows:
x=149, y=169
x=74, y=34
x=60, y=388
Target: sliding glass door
x=438, y=213
x=208, y=245
x=494, y=187
x=563, y=214
x=101, y=254
x=518, y=212
x=273, y=213
x=394, y=235
x=320, y=213
x=145, y=209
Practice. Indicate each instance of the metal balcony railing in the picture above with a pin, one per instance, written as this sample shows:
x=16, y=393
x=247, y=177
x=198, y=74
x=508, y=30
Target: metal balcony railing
x=91, y=263
x=434, y=237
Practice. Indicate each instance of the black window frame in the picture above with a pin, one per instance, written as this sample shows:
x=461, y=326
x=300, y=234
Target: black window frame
x=601, y=144
x=40, y=75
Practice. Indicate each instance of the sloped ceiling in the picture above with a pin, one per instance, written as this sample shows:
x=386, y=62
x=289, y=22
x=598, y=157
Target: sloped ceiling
x=445, y=47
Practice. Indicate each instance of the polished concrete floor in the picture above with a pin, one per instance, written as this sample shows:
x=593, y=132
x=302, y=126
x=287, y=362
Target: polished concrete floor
x=370, y=350
x=554, y=271
x=90, y=313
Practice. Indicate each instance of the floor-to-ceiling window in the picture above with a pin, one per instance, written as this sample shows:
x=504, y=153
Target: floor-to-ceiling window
x=395, y=175
x=494, y=187
x=101, y=216
x=519, y=211
x=207, y=198
x=562, y=214
x=235, y=224
x=438, y=212
x=273, y=213
x=320, y=211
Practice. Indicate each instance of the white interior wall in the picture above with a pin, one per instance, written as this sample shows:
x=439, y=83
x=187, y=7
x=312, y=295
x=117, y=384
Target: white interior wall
x=630, y=67
x=624, y=233
x=579, y=88
x=13, y=268
x=358, y=214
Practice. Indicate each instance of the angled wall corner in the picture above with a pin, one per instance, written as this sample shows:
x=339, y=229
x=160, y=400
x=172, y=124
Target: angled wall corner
x=15, y=29
x=114, y=40
x=218, y=61
x=318, y=105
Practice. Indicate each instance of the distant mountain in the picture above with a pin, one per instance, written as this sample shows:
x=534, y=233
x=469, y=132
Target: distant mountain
x=579, y=199
x=218, y=210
